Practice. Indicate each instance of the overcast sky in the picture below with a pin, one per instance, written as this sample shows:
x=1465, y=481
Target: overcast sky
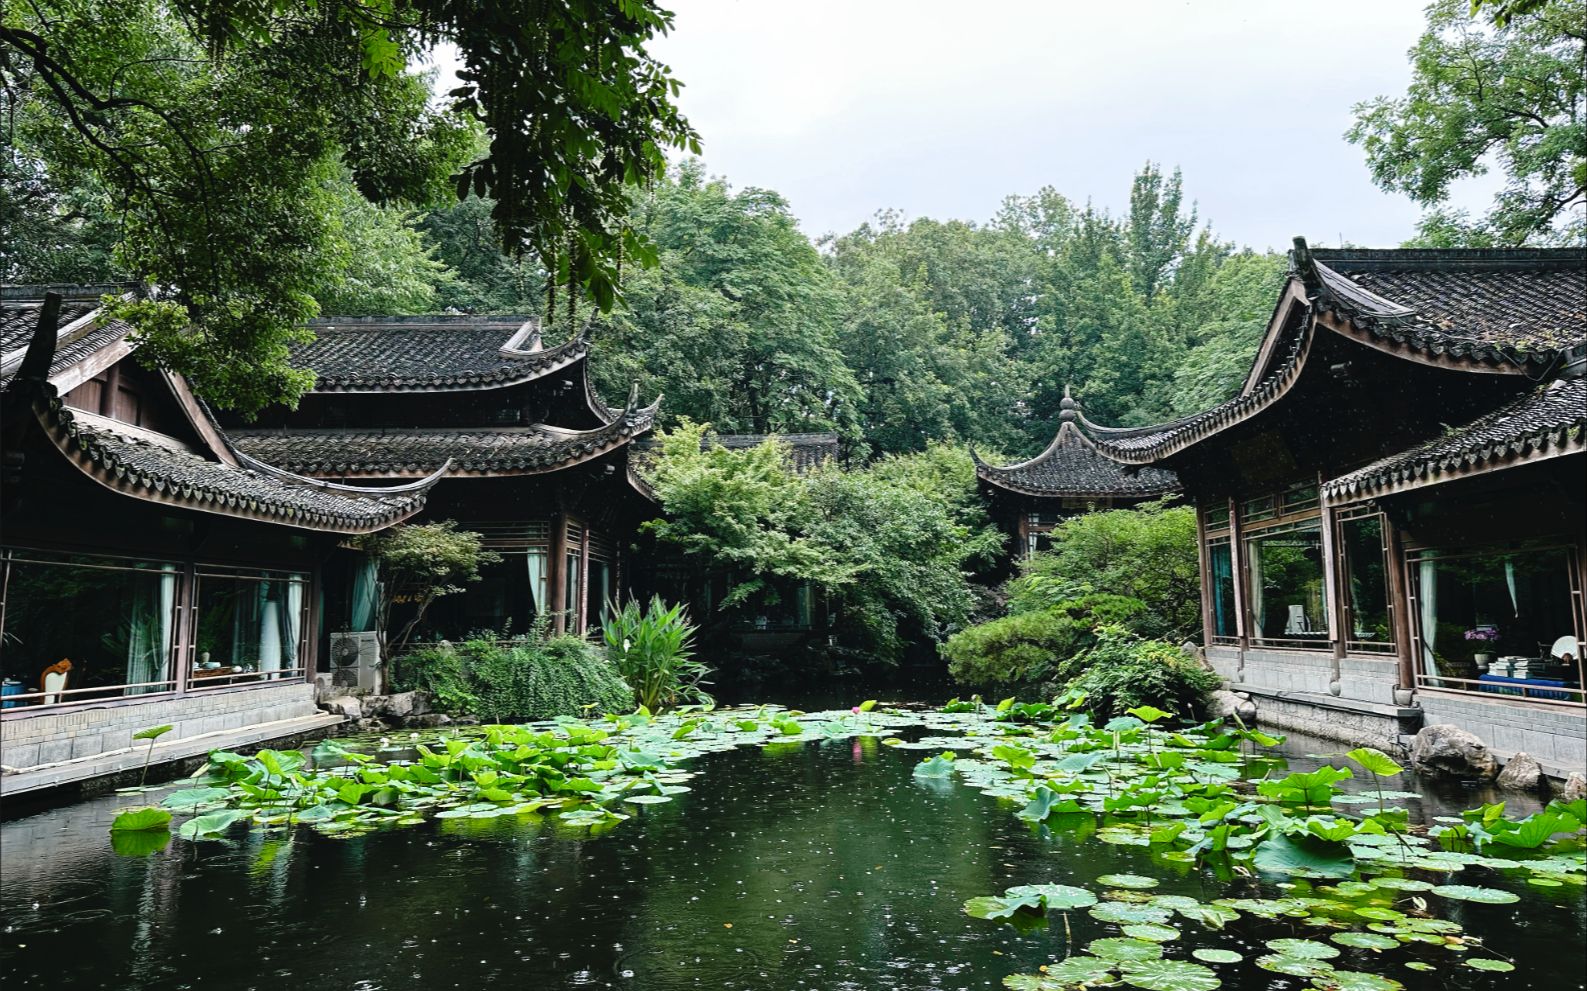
x=941, y=109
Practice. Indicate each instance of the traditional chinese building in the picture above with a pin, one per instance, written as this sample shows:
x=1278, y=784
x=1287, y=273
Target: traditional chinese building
x=152, y=573
x=1392, y=510
x=1070, y=477
x=537, y=463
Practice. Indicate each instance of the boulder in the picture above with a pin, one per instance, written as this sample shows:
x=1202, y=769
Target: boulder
x=1522, y=773
x=344, y=705
x=427, y=720
x=1448, y=751
x=1575, y=787
x=1224, y=703
x=405, y=704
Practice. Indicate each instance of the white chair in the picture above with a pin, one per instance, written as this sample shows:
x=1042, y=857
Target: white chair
x=54, y=685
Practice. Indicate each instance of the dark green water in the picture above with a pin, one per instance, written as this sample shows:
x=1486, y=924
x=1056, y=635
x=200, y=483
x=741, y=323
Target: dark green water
x=825, y=866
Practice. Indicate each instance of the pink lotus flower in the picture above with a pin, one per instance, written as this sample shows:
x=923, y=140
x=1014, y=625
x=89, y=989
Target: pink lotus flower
x=855, y=710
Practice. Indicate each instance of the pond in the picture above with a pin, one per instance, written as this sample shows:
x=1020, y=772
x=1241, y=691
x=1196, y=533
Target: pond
x=819, y=863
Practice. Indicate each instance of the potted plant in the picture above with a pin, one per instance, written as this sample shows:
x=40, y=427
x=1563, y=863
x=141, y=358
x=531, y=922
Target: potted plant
x=1484, y=637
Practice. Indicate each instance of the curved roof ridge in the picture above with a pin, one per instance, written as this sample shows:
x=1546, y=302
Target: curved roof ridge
x=1073, y=465
x=432, y=354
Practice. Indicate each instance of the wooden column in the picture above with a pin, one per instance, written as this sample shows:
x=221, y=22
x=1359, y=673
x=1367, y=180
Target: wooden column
x=1399, y=602
x=1332, y=596
x=581, y=602
x=1237, y=564
x=1204, y=562
x=557, y=572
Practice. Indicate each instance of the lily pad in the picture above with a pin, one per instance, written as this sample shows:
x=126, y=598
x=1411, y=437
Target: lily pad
x=1308, y=949
x=1171, y=975
x=1080, y=970
x=1153, y=931
x=1123, y=912
x=1486, y=963
x=1124, y=948
x=1355, y=980
x=1471, y=893
x=1365, y=941
x=1217, y=956
x=1127, y=881
x=1278, y=963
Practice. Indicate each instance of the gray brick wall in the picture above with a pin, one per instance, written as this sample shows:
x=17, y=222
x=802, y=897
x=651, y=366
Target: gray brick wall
x=48, y=738
x=1555, y=735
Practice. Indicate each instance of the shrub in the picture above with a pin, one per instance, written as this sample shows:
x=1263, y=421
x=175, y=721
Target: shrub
x=650, y=649
x=534, y=678
x=438, y=671
x=1029, y=648
x=1122, y=671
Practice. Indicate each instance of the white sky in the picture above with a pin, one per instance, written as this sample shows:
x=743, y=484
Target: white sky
x=940, y=108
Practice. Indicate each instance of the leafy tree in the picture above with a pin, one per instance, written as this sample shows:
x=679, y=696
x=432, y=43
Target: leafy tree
x=1511, y=95
x=883, y=547
x=385, y=266
x=1147, y=554
x=487, y=279
x=1026, y=650
x=737, y=323
x=214, y=127
x=419, y=563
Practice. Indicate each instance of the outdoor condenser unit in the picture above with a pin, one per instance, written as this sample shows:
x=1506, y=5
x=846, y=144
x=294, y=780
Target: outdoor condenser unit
x=355, y=661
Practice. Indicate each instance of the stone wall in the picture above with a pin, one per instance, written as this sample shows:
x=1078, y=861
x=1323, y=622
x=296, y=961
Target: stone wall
x=72, y=734
x=1361, y=725
x=1556, y=736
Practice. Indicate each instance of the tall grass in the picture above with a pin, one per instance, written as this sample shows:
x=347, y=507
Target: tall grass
x=650, y=649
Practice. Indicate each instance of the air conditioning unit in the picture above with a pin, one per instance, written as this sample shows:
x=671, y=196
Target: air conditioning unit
x=355, y=661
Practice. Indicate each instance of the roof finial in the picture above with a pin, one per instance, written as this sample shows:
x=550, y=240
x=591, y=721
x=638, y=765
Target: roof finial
x=1069, y=406
x=1301, y=261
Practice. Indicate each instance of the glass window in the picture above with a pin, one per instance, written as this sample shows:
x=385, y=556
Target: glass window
x=1220, y=560
x=1366, y=583
x=80, y=627
x=600, y=591
x=1497, y=618
x=570, y=598
x=1218, y=516
x=1288, y=601
x=250, y=628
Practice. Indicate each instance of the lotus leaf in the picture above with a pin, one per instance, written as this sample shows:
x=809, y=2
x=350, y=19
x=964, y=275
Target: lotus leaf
x=1469, y=893
x=1306, y=948
x=1217, y=956
x=1124, y=948
x=1170, y=975
x=1127, y=881
x=1294, y=966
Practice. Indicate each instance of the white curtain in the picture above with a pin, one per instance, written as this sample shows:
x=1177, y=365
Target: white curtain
x=1253, y=554
x=292, y=624
x=537, y=580
x=1427, y=588
x=1509, y=580
x=150, y=631
x=269, y=630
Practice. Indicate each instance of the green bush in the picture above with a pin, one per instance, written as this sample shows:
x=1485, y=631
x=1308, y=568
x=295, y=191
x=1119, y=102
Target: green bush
x=1122, y=671
x=532, y=677
x=541, y=679
x=439, y=671
x=1029, y=648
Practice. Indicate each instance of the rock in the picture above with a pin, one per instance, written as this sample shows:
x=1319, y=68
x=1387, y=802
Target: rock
x=1449, y=751
x=426, y=720
x=405, y=704
x=344, y=705
x=1575, y=787
x=367, y=725
x=1522, y=773
x=1224, y=703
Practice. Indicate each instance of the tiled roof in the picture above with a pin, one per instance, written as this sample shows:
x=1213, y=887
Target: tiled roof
x=478, y=451
x=1516, y=305
x=1551, y=419
x=427, y=354
x=143, y=465
x=1072, y=466
x=77, y=337
x=805, y=451
x=1520, y=309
